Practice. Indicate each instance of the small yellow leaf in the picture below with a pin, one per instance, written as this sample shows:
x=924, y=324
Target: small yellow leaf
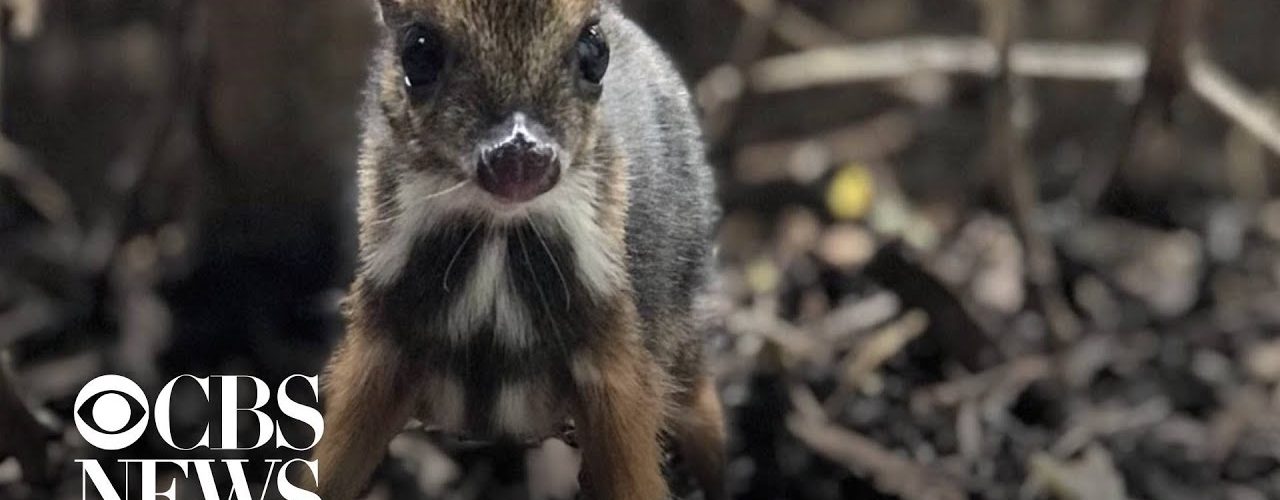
x=762, y=276
x=851, y=193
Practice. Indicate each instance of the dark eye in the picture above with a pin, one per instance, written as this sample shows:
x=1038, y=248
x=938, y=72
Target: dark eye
x=593, y=54
x=423, y=57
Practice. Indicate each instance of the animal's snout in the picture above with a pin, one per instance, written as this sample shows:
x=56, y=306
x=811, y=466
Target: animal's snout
x=520, y=164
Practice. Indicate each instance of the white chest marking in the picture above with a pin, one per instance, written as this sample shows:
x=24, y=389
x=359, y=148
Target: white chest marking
x=446, y=404
x=488, y=298
x=520, y=410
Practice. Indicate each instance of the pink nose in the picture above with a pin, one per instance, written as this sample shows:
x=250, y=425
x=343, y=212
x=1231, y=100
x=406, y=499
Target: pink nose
x=518, y=169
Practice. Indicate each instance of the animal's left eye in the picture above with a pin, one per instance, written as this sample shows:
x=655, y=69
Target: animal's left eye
x=593, y=54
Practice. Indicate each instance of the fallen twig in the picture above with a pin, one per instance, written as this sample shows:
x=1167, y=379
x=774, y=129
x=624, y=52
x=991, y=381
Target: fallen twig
x=891, y=473
x=1093, y=477
x=794, y=341
x=864, y=360
x=1103, y=422
x=1018, y=372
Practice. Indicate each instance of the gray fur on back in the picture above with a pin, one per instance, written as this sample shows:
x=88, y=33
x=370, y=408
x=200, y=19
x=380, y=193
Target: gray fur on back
x=648, y=112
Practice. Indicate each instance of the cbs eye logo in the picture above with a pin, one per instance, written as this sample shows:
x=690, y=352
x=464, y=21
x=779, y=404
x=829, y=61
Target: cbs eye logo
x=111, y=412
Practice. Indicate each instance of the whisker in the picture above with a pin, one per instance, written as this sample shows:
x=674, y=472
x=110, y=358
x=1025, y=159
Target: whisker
x=449, y=269
x=542, y=297
x=568, y=300
x=388, y=206
x=528, y=264
x=446, y=191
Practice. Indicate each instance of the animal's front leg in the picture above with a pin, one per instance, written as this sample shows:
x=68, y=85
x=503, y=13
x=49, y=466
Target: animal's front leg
x=619, y=418
x=366, y=405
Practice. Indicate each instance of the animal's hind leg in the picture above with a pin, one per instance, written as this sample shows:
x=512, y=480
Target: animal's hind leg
x=698, y=432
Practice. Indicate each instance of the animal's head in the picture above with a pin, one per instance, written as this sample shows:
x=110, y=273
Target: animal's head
x=500, y=94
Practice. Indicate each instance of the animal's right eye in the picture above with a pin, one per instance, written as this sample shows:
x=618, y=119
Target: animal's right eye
x=593, y=54
x=423, y=57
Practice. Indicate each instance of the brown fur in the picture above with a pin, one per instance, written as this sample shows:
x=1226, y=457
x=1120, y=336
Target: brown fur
x=366, y=405
x=698, y=429
x=620, y=414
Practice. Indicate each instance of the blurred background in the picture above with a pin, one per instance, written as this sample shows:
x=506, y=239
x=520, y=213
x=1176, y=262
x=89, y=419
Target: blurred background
x=973, y=249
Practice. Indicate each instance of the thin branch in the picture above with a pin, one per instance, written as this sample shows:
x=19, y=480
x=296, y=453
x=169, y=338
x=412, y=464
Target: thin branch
x=1251, y=113
x=129, y=172
x=1163, y=81
x=793, y=26
x=798, y=29
x=1106, y=62
x=39, y=190
x=1013, y=175
x=896, y=59
x=721, y=92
